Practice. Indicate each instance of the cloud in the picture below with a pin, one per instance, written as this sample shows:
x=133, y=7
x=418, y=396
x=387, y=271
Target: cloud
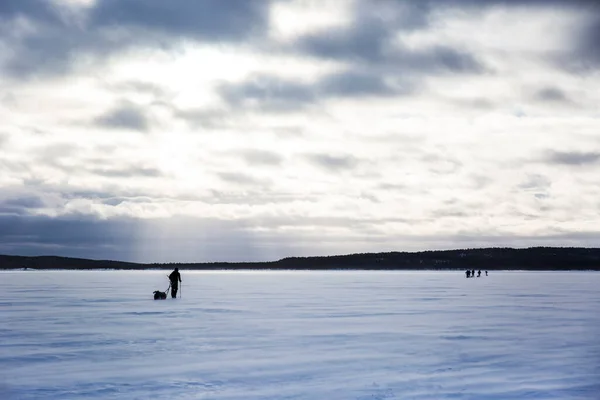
x=130, y=239
x=57, y=42
x=584, y=54
x=124, y=116
x=574, y=158
x=273, y=93
x=206, y=20
x=412, y=103
x=371, y=43
x=268, y=92
x=130, y=172
x=241, y=178
x=551, y=94
x=261, y=157
x=535, y=182
x=333, y=163
x=20, y=205
x=357, y=84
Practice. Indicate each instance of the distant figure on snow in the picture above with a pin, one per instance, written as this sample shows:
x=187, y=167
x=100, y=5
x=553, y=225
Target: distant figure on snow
x=468, y=274
x=472, y=273
x=485, y=273
x=175, y=278
x=478, y=273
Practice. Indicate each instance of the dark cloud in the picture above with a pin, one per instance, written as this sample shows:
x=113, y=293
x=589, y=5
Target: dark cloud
x=129, y=239
x=20, y=205
x=574, y=158
x=356, y=84
x=59, y=41
x=205, y=20
x=67, y=236
x=333, y=162
x=109, y=26
x=36, y=9
x=551, y=94
x=125, y=116
x=584, y=52
x=372, y=37
x=369, y=43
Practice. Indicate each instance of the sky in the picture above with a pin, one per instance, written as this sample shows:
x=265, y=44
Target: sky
x=251, y=130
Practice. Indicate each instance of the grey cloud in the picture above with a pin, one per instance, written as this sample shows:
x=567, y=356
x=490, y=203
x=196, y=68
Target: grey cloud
x=574, y=158
x=67, y=236
x=332, y=162
x=37, y=9
x=371, y=44
x=240, y=178
x=392, y=187
x=535, y=182
x=115, y=201
x=143, y=240
x=350, y=84
x=109, y=26
x=206, y=20
x=57, y=150
x=125, y=116
x=584, y=52
x=255, y=197
x=140, y=87
x=361, y=41
x=440, y=164
x=370, y=39
x=206, y=118
x=551, y=94
x=261, y=157
x=20, y=205
x=277, y=94
x=127, y=172
x=27, y=202
x=268, y=92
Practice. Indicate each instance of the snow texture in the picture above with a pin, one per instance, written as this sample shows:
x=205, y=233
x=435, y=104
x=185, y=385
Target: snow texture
x=300, y=335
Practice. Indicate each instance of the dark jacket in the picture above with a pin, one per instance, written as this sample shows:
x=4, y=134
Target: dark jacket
x=175, y=278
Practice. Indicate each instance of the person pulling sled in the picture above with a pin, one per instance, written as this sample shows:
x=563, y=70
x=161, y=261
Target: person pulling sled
x=175, y=278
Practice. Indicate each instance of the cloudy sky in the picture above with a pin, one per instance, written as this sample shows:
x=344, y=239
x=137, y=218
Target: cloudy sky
x=251, y=130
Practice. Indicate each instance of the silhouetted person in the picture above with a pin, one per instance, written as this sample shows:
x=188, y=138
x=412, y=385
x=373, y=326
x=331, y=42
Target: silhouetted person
x=472, y=273
x=175, y=278
x=468, y=274
x=485, y=273
x=478, y=273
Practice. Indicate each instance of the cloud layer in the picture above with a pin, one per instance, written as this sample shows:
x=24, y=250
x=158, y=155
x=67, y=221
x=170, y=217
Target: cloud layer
x=254, y=130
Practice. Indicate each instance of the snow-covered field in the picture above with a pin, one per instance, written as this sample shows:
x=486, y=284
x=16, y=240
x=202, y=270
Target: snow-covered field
x=300, y=335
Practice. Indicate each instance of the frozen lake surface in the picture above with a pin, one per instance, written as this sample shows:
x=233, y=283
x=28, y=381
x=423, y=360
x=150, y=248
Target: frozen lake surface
x=344, y=335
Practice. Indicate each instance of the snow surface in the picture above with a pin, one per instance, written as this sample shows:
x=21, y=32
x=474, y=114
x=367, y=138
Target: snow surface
x=300, y=335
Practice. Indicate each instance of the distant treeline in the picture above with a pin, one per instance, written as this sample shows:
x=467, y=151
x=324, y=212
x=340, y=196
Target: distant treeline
x=534, y=258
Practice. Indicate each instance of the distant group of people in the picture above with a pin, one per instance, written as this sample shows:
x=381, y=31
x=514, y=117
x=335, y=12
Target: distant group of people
x=471, y=273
